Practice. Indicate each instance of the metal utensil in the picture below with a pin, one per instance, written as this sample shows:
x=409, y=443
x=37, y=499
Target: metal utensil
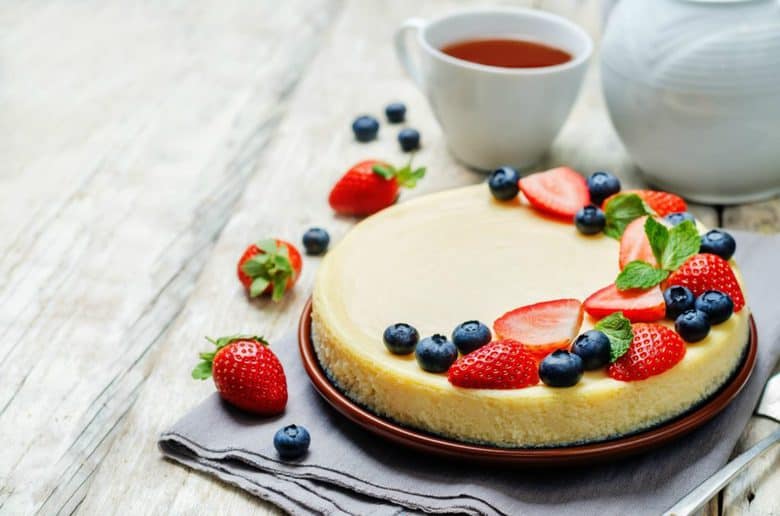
x=768, y=407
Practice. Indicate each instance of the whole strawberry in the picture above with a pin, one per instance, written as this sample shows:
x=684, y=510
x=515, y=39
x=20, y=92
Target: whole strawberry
x=654, y=349
x=703, y=272
x=269, y=267
x=246, y=373
x=504, y=364
x=370, y=186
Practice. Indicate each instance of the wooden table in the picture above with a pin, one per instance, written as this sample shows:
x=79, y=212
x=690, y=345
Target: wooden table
x=144, y=145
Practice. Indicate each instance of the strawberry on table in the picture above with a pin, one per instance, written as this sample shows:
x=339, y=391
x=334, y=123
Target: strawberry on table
x=246, y=373
x=270, y=266
x=559, y=192
x=634, y=244
x=653, y=350
x=542, y=327
x=662, y=203
x=503, y=364
x=703, y=272
x=370, y=186
x=637, y=305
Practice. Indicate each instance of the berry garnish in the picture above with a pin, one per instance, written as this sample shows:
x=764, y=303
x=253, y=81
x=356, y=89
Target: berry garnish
x=634, y=244
x=395, y=112
x=593, y=348
x=435, y=354
x=292, y=441
x=370, y=186
x=269, y=267
x=470, y=335
x=590, y=220
x=316, y=241
x=409, y=139
x=601, y=185
x=561, y=369
x=718, y=242
x=678, y=217
x=654, y=349
x=717, y=305
x=678, y=300
x=503, y=183
x=692, y=325
x=400, y=338
x=703, y=272
x=559, y=192
x=542, y=327
x=503, y=364
x=365, y=128
x=637, y=305
x=661, y=203
x=246, y=373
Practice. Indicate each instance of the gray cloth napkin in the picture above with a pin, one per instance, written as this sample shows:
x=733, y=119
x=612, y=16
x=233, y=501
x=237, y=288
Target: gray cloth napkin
x=350, y=471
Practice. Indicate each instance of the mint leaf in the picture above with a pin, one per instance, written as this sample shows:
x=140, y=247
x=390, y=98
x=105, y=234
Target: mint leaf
x=684, y=242
x=618, y=330
x=639, y=274
x=658, y=236
x=385, y=171
x=202, y=371
x=259, y=284
x=621, y=210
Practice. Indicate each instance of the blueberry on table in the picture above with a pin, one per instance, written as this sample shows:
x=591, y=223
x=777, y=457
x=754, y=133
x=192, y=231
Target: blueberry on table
x=590, y=220
x=692, y=325
x=717, y=305
x=678, y=300
x=594, y=348
x=503, y=183
x=400, y=338
x=470, y=335
x=718, y=242
x=601, y=185
x=679, y=217
x=316, y=241
x=292, y=441
x=435, y=354
x=561, y=369
x=365, y=128
x=409, y=139
x=395, y=112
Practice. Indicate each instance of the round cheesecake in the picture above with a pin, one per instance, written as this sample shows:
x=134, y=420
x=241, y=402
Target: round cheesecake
x=459, y=255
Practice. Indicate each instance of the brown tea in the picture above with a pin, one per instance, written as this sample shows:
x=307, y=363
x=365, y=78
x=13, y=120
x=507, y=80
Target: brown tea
x=507, y=53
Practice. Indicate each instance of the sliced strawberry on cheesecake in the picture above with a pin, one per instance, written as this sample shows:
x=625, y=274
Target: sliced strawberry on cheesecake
x=559, y=192
x=703, y=272
x=542, y=327
x=637, y=305
x=634, y=244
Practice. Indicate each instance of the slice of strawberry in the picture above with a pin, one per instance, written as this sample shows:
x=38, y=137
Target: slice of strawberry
x=702, y=272
x=503, y=364
x=662, y=203
x=559, y=192
x=634, y=244
x=542, y=327
x=654, y=349
x=637, y=305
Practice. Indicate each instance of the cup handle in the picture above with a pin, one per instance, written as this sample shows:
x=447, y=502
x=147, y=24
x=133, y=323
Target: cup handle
x=402, y=48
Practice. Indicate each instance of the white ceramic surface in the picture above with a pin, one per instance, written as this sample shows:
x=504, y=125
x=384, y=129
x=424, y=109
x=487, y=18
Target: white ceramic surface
x=495, y=116
x=693, y=89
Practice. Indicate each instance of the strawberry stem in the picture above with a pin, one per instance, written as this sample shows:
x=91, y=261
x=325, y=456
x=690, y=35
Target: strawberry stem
x=406, y=176
x=204, y=368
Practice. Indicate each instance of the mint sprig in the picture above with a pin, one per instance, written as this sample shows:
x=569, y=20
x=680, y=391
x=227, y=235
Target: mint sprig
x=621, y=210
x=618, y=330
x=204, y=368
x=406, y=176
x=671, y=248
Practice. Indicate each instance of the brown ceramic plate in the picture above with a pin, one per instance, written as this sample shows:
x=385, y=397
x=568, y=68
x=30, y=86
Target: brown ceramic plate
x=568, y=455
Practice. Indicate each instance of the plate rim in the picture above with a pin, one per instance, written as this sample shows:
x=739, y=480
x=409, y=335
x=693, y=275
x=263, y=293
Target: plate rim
x=566, y=455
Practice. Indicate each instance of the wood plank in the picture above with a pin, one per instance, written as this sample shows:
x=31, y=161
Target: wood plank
x=132, y=130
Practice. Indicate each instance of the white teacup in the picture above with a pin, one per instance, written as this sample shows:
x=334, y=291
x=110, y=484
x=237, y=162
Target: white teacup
x=493, y=116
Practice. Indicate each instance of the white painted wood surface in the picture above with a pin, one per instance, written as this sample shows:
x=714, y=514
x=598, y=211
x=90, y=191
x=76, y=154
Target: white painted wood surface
x=144, y=146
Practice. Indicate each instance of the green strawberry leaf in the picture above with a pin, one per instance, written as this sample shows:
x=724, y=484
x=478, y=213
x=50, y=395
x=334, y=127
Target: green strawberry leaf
x=621, y=210
x=684, y=242
x=272, y=266
x=658, y=236
x=202, y=370
x=408, y=178
x=618, y=330
x=386, y=171
x=639, y=274
x=279, y=287
x=268, y=246
x=259, y=284
x=256, y=266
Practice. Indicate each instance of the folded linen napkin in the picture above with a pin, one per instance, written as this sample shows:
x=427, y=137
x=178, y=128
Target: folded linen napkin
x=350, y=471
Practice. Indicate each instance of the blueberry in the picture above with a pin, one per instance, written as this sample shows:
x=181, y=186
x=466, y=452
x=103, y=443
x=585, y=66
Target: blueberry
x=601, y=186
x=718, y=242
x=717, y=305
x=561, y=369
x=679, y=217
x=395, y=112
x=678, y=300
x=470, y=335
x=593, y=347
x=409, y=139
x=435, y=354
x=292, y=441
x=503, y=183
x=365, y=128
x=590, y=220
x=400, y=338
x=692, y=325
x=316, y=241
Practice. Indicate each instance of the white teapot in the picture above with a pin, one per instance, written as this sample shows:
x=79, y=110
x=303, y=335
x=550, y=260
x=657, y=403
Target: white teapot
x=693, y=90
